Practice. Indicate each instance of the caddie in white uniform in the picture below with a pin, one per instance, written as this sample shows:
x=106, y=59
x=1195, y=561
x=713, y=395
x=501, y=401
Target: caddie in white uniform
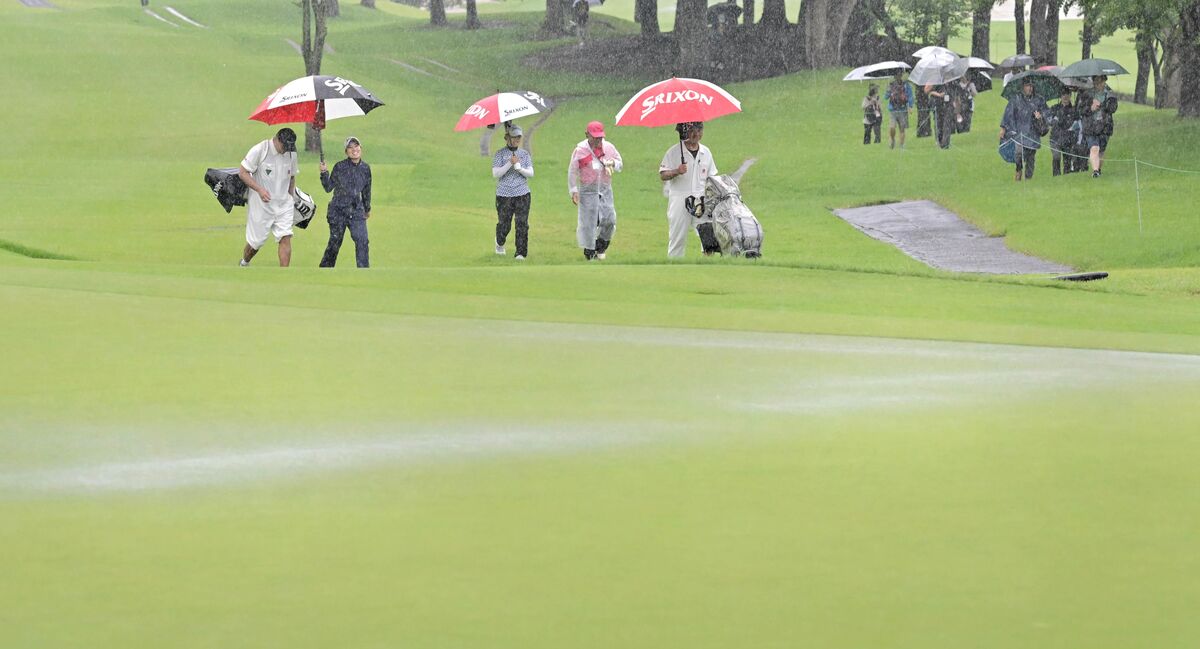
x=685, y=170
x=269, y=170
x=589, y=183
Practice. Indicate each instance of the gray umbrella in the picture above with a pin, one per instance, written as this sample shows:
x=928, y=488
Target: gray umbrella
x=1092, y=68
x=1017, y=61
x=938, y=69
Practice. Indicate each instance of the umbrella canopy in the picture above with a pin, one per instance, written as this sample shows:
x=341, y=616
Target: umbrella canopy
x=315, y=100
x=880, y=70
x=976, y=63
x=981, y=79
x=1017, y=61
x=1093, y=68
x=938, y=69
x=1045, y=84
x=502, y=107
x=929, y=50
x=677, y=100
x=1070, y=82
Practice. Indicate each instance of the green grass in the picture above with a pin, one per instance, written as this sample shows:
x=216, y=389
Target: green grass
x=456, y=450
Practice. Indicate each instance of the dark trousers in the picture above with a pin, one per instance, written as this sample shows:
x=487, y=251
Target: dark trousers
x=923, y=127
x=339, y=222
x=1063, y=161
x=868, y=128
x=944, y=125
x=965, y=125
x=509, y=208
x=1026, y=158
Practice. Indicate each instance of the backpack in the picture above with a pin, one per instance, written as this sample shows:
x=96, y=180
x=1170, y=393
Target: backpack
x=898, y=95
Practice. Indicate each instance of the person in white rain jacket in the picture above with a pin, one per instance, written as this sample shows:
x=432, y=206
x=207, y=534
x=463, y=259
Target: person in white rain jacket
x=685, y=171
x=589, y=182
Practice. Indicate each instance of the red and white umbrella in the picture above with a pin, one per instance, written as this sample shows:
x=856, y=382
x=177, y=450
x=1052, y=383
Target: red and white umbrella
x=315, y=100
x=677, y=100
x=502, y=107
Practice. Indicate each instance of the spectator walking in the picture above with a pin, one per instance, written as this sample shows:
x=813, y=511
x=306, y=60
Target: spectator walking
x=685, y=170
x=269, y=170
x=1096, y=107
x=872, y=114
x=924, y=118
x=512, y=167
x=1024, y=123
x=350, y=206
x=1064, y=131
x=589, y=183
x=966, y=97
x=942, y=102
x=900, y=101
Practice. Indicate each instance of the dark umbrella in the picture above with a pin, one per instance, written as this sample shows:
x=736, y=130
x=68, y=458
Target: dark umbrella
x=1017, y=61
x=1045, y=84
x=1092, y=68
x=1070, y=82
x=981, y=79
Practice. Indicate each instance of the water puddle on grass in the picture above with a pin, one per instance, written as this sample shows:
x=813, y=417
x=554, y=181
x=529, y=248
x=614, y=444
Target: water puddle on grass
x=238, y=466
x=640, y=385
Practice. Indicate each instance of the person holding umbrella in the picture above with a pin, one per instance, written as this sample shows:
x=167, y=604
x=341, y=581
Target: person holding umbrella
x=512, y=167
x=589, y=183
x=1096, y=106
x=269, y=170
x=1023, y=123
x=872, y=114
x=685, y=171
x=350, y=207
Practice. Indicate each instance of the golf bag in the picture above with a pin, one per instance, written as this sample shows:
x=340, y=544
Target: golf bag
x=231, y=192
x=736, y=229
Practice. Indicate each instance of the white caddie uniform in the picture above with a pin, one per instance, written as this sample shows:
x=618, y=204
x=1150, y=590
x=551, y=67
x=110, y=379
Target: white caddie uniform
x=700, y=167
x=273, y=172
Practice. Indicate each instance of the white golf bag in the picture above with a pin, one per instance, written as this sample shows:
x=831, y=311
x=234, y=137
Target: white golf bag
x=736, y=229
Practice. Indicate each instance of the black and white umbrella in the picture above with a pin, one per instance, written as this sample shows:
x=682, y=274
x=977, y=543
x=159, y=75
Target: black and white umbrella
x=315, y=100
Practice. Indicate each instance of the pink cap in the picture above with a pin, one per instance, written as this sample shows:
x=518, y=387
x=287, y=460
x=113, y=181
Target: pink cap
x=595, y=129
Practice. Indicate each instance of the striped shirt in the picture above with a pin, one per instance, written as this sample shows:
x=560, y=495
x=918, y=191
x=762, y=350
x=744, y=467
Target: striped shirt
x=512, y=183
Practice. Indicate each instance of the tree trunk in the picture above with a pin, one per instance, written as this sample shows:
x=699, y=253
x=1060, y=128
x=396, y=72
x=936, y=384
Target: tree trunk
x=1019, y=19
x=312, y=48
x=437, y=12
x=332, y=9
x=825, y=23
x=878, y=10
x=472, y=15
x=1189, y=60
x=691, y=33
x=774, y=15
x=748, y=12
x=1053, y=14
x=1087, y=36
x=981, y=29
x=369, y=4
x=1144, y=44
x=646, y=13
x=1037, y=30
x=553, y=24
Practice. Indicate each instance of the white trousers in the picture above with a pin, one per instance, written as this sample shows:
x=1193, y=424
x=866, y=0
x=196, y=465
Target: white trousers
x=679, y=223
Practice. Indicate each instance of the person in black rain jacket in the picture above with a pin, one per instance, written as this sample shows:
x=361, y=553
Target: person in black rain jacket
x=350, y=207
